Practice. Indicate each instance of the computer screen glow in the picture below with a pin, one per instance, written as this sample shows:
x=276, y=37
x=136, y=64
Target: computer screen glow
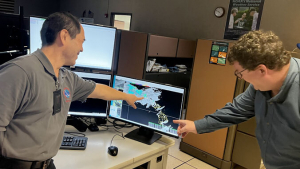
x=98, y=49
x=161, y=104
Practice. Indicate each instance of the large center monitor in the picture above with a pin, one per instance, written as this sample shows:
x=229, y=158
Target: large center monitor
x=161, y=105
x=92, y=107
x=98, y=49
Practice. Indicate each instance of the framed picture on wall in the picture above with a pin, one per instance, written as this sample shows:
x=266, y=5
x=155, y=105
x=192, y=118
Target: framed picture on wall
x=242, y=17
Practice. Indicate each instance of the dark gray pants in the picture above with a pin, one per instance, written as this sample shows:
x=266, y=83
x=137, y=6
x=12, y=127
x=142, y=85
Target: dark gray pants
x=19, y=164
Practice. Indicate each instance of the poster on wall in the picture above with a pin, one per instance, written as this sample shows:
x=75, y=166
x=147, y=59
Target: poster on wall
x=218, y=53
x=243, y=16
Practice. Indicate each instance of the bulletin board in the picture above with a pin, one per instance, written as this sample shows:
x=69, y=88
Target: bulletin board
x=218, y=53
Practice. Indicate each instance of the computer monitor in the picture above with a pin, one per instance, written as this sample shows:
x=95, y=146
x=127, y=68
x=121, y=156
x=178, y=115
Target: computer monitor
x=98, y=49
x=35, y=27
x=92, y=107
x=161, y=105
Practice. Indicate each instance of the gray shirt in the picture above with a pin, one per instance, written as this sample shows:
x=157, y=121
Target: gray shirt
x=28, y=129
x=277, y=118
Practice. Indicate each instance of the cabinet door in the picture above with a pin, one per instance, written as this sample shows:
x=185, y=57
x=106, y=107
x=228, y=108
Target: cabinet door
x=246, y=151
x=161, y=46
x=186, y=48
x=132, y=54
x=212, y=86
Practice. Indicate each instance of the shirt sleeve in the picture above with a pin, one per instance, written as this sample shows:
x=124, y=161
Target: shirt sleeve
x=240, y=110
x=14, y=95
x=254, y=22
x=230, y=25
x=82, y=88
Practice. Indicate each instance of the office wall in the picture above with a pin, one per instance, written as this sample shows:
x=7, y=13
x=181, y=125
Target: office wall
x=37, y=7
x=99, y=7
x=283, y=17
x=190, y=19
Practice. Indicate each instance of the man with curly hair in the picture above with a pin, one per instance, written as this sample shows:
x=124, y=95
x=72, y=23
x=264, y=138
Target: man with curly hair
x=272, y=97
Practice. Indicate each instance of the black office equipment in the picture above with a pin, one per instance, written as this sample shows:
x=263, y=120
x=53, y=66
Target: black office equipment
x=77, y=123
x=155, y=113
x=74, y=143
x=14, y=35
x=93, y=127
x=91, y=107
x=112, y=150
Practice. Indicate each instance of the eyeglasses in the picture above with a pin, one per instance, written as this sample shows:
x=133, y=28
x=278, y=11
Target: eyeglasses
x=239, y=74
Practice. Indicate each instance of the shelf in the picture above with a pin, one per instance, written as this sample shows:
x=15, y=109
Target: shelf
x=161, y=73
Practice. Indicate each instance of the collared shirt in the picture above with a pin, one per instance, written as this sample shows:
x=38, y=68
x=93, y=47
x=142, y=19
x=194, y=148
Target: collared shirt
x=277, y=118
x=28, y=128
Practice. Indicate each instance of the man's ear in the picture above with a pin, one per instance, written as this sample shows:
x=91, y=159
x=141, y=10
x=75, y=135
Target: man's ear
x=63, y=36
x=262, y=69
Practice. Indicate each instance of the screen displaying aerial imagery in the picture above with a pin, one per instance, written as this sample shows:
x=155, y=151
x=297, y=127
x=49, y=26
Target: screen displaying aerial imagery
x=161, y=104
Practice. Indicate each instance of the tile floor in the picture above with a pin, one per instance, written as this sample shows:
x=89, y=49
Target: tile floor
x=180, y=160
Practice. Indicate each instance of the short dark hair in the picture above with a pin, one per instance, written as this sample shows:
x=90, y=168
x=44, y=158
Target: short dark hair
x=57, y=22
x=252, y=9
x=258, y=47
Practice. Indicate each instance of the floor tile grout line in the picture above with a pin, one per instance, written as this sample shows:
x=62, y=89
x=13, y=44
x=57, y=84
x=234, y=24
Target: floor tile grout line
x=178, y=158
x=179, y=165
x=190, y=165
x=189, y=160
x=186, y=164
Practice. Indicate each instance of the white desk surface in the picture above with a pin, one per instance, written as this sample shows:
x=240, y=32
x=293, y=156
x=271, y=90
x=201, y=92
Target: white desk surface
x=95, y=155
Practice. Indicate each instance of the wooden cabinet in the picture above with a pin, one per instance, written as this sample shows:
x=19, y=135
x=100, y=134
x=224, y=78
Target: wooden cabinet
x=246, y=151
x=186, y=48
x=132, y=54
x=176, y=79
x=212, y=86
x=160, y=46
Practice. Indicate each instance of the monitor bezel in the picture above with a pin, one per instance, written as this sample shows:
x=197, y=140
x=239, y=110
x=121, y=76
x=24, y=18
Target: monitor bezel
x=92, y=24
x=108, y=102
x=182, y=105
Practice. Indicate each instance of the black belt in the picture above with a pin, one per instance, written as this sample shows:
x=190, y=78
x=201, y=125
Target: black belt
x=20, y=164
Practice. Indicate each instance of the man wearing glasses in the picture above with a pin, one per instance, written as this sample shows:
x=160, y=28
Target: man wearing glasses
x=272, y=97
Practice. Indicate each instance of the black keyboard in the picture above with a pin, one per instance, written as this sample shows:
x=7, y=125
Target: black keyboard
x=74, y=143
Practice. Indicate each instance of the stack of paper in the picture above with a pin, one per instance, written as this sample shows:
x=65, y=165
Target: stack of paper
x=181, y=68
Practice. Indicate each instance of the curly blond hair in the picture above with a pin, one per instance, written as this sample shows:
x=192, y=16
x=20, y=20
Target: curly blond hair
x=258, y=47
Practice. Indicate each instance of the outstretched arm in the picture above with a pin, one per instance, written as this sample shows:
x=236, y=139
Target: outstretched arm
x=239, y=111
x=107, y=93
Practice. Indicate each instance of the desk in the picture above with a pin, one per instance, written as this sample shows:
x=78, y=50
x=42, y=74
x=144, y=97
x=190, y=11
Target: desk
x=131, y=153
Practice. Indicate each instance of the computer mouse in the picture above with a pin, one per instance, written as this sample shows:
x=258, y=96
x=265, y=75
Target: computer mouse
x=112, y=150
x=93, y=127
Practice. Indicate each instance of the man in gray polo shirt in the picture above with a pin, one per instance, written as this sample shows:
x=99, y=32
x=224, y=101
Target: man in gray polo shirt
x=33, y=100
x=273, y=97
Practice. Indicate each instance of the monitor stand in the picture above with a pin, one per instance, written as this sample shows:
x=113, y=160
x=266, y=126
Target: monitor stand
x=78, y=124
x=143, y=135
